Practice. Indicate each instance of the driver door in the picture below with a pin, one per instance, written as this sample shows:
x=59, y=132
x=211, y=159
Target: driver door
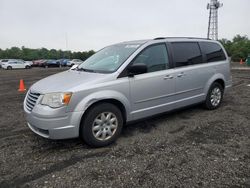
x=152, y=92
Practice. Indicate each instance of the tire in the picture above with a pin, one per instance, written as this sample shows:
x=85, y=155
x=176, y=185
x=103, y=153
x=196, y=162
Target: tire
x=9, y=68
x=214, y=96
x=27, y=67
x=94, y=131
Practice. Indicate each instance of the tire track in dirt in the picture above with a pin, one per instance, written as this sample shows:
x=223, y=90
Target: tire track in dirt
x=21, y=180
x=13, y=134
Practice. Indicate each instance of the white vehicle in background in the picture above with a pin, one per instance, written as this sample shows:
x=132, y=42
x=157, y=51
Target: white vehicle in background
x=74, y=67
x=2, y=61
x=74, y=62
x=15, y=64
x=29, y=62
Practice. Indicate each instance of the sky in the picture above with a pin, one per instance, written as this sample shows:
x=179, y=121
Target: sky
x=82, y=25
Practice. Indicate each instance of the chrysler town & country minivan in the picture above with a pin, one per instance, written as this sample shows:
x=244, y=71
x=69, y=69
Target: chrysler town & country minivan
x=127, y=82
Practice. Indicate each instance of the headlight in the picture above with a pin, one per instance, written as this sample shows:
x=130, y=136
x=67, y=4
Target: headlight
x=56, y=100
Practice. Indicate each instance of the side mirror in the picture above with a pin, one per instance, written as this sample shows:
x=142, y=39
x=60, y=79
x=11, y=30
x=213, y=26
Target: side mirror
x=135, y=69
x=73, y=67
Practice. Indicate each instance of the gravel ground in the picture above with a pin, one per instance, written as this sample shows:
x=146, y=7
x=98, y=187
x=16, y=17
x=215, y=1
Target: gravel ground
x=187, y=148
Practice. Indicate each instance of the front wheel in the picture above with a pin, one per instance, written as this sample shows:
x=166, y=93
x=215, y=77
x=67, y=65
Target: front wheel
x=101, y=125
x=214, y=96
x=9, y=68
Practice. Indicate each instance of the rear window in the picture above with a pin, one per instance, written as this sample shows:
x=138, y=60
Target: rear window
x=186, y=53
x=212, y=51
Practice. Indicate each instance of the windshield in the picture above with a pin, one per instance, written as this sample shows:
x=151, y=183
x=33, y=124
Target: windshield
x=108, y=59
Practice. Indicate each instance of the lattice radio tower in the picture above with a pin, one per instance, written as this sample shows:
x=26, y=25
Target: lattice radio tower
x=213, y=7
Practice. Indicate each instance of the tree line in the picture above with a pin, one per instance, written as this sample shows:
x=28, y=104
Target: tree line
x=237, y=48
x=29, y=54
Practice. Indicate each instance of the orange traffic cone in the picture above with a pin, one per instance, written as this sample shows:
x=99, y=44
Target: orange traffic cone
x=241, y=62
x=21, y=86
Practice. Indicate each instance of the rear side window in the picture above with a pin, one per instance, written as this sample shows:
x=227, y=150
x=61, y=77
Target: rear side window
x=212, y=51
x=186, y=53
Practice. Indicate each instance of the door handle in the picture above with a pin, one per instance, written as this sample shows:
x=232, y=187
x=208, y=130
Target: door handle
x=180, y=75
x=168, y=77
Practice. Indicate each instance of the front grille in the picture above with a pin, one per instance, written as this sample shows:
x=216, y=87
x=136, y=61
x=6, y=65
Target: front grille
x=31, y=100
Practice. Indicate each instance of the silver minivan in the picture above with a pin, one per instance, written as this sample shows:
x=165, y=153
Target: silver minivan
x=126, y=82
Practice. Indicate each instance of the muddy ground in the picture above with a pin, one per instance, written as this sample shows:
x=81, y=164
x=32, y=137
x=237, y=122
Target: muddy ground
x=187, y=148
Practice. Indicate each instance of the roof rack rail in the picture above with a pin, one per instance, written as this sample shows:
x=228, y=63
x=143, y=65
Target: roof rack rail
x=160, y=38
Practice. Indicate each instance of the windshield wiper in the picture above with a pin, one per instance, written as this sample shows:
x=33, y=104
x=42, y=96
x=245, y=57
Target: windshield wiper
x=85, y=70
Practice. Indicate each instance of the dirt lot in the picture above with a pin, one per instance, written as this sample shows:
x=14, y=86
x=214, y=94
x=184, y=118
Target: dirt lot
x=188, y=148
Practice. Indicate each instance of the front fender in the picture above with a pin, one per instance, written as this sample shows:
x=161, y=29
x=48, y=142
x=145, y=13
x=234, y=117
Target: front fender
x=87, y=101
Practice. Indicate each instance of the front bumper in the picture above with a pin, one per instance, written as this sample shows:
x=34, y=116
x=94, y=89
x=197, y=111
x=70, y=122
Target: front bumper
x=53, y=123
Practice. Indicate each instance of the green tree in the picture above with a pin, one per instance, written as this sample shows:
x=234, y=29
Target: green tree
x=238, y=48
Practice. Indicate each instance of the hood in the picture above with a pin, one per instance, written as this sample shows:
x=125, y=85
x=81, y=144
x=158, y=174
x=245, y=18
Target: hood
x=67, y=81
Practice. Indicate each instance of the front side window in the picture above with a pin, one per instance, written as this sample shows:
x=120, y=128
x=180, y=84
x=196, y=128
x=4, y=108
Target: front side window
x=154, y=57
x=186, y=53
x=108, y=59
x=213, y=51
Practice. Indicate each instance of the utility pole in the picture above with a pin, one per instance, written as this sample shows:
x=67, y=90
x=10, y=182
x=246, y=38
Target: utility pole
x=213, y=7
x=66, y=41
x=66, y=45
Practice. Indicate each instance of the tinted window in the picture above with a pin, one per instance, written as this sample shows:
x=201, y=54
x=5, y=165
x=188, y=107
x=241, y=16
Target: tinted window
x=186, y=53
x=155, y=57
x=213, y=51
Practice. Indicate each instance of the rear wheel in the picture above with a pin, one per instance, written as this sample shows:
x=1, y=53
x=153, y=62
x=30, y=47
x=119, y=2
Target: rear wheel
x=214, y=96
x=9, y=68
x=101, y=125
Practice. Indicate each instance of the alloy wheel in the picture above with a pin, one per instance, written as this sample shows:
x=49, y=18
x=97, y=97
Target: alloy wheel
x=215, y=97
